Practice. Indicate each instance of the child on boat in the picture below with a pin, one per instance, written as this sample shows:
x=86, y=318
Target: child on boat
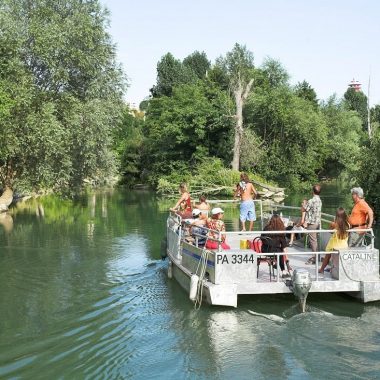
x=298, y=226
x=339, y=239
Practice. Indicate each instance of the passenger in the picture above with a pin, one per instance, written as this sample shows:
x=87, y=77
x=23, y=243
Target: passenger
x=298, y=226
x=312, y=218
x=278, y=242
x=197, y=227
x=361, y=217
x=203, y=205
x=245, y=190
x=183, y=206
x=216, y=223
x=339, y=239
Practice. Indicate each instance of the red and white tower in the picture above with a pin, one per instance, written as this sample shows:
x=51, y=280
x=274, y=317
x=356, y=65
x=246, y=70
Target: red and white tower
x=356, y=85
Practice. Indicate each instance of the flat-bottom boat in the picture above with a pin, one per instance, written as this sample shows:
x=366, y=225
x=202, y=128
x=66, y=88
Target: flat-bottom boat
x=220, y=276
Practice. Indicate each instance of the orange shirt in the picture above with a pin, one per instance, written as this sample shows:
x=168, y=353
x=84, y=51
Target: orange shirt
x=359, y=214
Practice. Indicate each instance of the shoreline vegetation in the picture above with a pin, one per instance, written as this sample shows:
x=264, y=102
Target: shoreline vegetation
x=64, y=124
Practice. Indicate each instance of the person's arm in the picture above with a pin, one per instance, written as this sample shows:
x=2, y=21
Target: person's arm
x=178, y=203
x=254, y=192
x=370, y=217
x=237, y=191
x=305, y=208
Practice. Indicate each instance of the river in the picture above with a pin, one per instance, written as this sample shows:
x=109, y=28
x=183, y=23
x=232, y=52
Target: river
x=84, y=295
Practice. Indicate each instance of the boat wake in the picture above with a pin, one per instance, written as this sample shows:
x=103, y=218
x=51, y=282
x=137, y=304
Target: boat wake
x=288, y=315
x=271, y=317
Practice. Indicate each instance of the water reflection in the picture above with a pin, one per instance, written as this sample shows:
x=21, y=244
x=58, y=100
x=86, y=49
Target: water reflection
x=6, y=221
x=84, y=294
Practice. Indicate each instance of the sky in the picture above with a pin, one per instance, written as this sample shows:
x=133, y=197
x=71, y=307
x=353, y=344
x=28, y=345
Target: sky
x=325, y=42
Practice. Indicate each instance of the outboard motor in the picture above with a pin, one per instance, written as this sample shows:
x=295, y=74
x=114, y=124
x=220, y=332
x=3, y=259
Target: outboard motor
x=301, y=284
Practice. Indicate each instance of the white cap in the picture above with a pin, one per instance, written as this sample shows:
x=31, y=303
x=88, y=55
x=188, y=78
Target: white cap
x=196, y=212
x=217, y=210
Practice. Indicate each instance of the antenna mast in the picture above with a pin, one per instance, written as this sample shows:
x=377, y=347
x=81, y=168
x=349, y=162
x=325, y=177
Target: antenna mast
x=368, y=109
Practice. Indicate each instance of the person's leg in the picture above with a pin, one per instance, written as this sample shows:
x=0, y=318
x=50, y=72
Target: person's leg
x=225, y=245
x=324, y=263
x=243, y=214
x=312, y=236
x=251, y=215
x=291, y=238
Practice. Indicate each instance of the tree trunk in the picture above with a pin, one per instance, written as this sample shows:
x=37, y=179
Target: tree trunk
x=240, y=98
x=238, y=128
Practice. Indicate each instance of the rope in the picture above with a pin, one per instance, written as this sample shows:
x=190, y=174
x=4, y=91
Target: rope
x=203, y=266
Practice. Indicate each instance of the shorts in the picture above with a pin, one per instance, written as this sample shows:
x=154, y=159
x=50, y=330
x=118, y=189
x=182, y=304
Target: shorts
x=247, y=211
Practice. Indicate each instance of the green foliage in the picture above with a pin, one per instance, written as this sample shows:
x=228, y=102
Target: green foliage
x=290, y=132
x=274, y=73
x=58, y=67
x=305, y=91
x=344, y=138
x=198, y=63
x=368, y=175
x=185, y=128
x=171, y=73
x=237, y=65
x=357, y=101
x=128, y=140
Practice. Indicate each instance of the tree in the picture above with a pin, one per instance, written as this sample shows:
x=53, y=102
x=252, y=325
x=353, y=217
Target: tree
x=186, y=128
x=343, y=140
x=289, y=133
x=238, y=65
x=128, y=142
x=305, y=91
x=198, y=63
x=368, y=175
x=357, y=101
x=170, y=73
x=58, y=66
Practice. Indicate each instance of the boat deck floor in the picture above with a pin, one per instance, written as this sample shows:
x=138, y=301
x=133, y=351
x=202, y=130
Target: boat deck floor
x=296, y=262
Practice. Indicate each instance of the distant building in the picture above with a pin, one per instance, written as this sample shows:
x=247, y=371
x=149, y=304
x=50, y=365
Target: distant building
x=356, y=85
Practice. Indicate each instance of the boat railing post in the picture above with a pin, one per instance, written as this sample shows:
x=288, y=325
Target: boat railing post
x=261, y=214
x=278, y=266
x=316, y=266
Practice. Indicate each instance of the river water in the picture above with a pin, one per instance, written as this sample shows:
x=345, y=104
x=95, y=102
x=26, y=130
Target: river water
x=84, y=295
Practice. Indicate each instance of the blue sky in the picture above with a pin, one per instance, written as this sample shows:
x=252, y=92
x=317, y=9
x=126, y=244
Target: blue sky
x=327, y=43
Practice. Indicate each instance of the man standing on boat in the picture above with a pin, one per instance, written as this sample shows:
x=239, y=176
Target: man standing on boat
x=361, y=217
x=312, y=218
x=246, y=191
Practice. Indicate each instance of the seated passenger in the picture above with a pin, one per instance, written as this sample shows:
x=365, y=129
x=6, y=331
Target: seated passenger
x=203, y=205
x=339, y=239
x=197, y=227
x=278, y=241
x=216, y=223
x=183, y=205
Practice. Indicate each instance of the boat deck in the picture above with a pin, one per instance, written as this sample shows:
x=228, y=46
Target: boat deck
x=297, y=255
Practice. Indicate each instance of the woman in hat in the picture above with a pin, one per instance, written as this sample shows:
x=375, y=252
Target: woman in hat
x=216, y=228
